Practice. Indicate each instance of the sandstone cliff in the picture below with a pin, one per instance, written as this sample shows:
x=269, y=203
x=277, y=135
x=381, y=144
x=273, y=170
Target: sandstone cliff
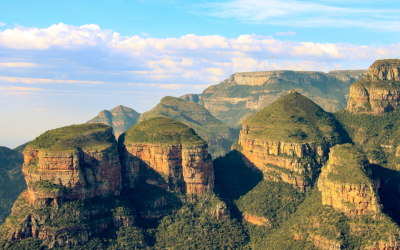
x=55, y=175
x=169, y=154
x=74, y=184
x=120, y=118
x=243, y=94
x=345, y=184
x=378, y=91
x=289, y=139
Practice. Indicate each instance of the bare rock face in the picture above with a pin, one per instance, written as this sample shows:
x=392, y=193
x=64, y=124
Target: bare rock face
x=345, y=184
x=378, y=91
x=53, y=176
x=256, y=220
x=168, y=162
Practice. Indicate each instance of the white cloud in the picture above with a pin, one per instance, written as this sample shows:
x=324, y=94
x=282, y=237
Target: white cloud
x=2, y=24
x=308, y=14
x=144, y=34
x=21, y=88
x=40, y=110
x=288, y=33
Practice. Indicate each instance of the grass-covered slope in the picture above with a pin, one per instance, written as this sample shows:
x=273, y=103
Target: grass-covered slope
x=70, y=138
x=162, y=130
x=216, y=133
x=294, y=118
x=12, y=181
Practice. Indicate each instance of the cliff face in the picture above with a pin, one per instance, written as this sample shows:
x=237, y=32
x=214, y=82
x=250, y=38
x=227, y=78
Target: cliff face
x=280, y=140
x=120, y=118
x=188, y=169
x=243, y=94
x=73, y=173
x=378, y=91
x=53, y=177
x=345, y=185
x=173, y=164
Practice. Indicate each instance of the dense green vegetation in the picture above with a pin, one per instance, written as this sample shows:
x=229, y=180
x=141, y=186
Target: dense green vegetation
x=12, y=181
x=294, y=118
x=197, y=117
x=350, y=167
x=162, y=130
x=70, y=138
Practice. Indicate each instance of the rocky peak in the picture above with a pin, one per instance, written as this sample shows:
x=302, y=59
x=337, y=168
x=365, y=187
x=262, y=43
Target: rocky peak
x=69, y=163
x=384, y=70
x=282, y=139
x=378, y=92
x=168, y=154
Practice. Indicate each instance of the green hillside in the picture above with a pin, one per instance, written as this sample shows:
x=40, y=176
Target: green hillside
x=294, y=118
x=218, y=135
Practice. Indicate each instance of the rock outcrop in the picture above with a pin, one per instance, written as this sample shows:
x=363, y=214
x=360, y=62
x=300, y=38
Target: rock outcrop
x=74, y=175
x=243, y=94
x=120, y=118
x=256, y=220
x=345, y=184
x=378, y=92
x=169, y=154
x=55, y=175
x=218, y=136
x=278, y=140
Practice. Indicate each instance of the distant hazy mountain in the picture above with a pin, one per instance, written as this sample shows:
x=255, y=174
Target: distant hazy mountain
x=120, y=118
x=218, y=136
x=243, y=94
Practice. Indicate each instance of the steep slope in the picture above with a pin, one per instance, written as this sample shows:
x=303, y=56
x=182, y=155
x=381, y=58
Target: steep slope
x=289, y=139
x=120, y=118
x=170, y=155
x=74, y=182
x=343, y=213
x=243, y=94
x=217, y=135
x=12, y=181
x=378, y=92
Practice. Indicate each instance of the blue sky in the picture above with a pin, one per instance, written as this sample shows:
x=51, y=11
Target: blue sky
x=61, y=62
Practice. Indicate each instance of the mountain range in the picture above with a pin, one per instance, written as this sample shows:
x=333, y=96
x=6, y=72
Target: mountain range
x=298, y=176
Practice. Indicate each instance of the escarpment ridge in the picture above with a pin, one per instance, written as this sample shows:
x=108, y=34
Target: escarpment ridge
x=378, y=92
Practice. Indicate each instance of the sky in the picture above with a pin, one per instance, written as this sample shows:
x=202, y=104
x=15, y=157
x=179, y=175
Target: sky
x=62, y=62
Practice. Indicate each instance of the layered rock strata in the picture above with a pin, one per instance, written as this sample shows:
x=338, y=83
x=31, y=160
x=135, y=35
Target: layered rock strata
x=53, y=176
x=345, y=184
x=378, y=91
x=172, y=163
x=276, y=141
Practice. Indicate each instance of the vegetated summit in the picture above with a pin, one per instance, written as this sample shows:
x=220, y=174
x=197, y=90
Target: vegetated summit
x=162, y=130
x=218, y=136
x=243, y=94
x=293, y=118
x=71, y=138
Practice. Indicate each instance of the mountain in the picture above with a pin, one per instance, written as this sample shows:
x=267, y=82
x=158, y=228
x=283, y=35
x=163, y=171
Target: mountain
x=378, y=92
x=218, y=136
x=12, y=181
x=243, y=94
x=120, y=118
x=289, y=139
